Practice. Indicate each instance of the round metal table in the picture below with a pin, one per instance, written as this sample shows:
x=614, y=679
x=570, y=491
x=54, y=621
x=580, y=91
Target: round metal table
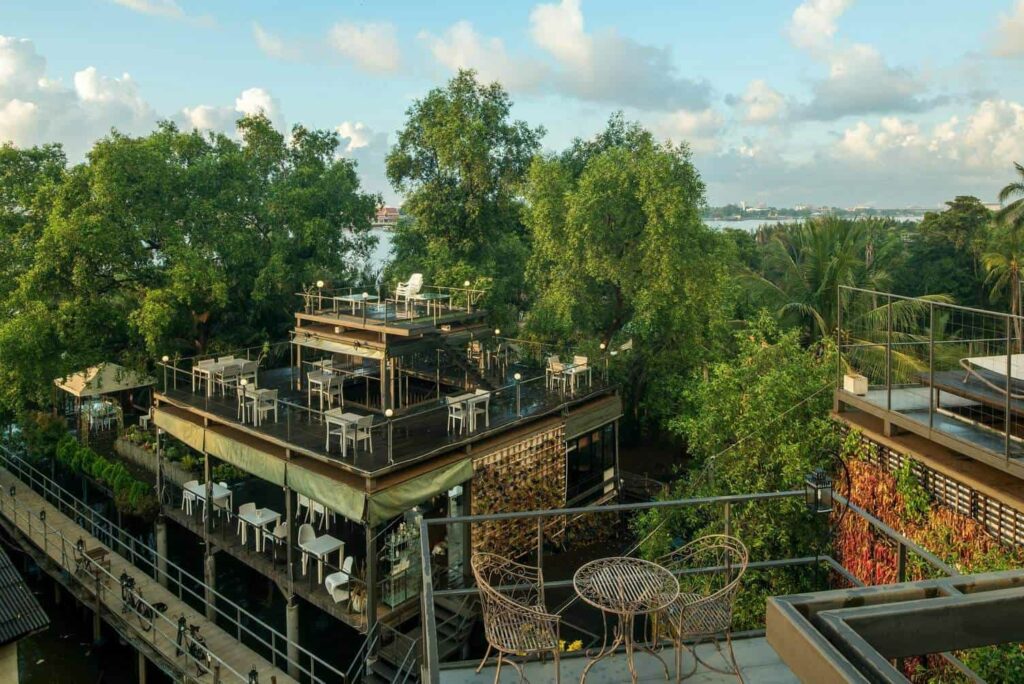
x=624, y=587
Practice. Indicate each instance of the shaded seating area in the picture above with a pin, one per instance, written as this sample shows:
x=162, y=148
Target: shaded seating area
x=98, y=398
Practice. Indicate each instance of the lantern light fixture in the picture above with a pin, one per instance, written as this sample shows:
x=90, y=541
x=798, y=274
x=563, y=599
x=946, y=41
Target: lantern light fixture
x=818, y=492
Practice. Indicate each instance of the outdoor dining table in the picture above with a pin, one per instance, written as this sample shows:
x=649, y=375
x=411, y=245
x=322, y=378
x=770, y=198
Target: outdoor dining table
x=208, y=371
x=99, y=412
x=433, y=300
x=470, y=401
x=249, y=394
x=220, y=494
x=337, y=416
x=355, y=300
x=625, y=588
x=320, y=548
x=258, y=520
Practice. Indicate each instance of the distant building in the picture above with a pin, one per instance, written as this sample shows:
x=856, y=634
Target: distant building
x=387, y=218
x=20, y=616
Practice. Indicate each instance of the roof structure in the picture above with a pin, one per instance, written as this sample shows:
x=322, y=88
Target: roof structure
x=103, y=378
x=20, y=612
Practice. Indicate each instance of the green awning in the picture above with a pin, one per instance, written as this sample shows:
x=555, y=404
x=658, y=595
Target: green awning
x=338, y=496
x=393, y=501
x=179, y=428
x=259, y=463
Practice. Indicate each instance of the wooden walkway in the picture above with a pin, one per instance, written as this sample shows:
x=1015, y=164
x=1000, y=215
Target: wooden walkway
x=236, y=659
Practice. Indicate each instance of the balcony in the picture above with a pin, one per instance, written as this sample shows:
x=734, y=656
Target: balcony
x=951, y=374
x=500, y=383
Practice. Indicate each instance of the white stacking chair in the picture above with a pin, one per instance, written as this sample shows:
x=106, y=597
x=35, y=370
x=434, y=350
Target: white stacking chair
x=306, y=535
x=188, y=499
x=243, y=527
x=456, y=412
x=302, y=501
x=337, y=582
x=266, y=403
x=361, y=431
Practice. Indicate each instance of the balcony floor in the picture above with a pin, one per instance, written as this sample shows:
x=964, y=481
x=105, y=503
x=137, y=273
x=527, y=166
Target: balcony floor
x=758, y=662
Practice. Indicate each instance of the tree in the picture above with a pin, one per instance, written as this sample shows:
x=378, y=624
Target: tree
x=1003, y=262
x=180, y=242
x=759, y=423
x=1012, y=199
x=620, y=252
x=461, y=161
x=947, y=257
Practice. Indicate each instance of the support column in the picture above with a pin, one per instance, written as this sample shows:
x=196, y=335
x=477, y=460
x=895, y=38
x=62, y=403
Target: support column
x=161, y=550
x=210, y=579
x=97, y=626
x=142, y=668
x=291, y=614
x=289, y=542
x=371, y=580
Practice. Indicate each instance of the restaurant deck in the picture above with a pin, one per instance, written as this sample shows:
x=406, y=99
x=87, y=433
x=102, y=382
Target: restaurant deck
x=414, y=434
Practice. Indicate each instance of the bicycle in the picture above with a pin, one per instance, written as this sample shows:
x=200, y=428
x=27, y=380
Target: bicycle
x=131, y=599
x=196, y=646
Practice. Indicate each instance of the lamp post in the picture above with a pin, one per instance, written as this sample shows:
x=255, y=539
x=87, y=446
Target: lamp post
x=163, y=360
x=388, y=413
x=603, y=348
x=319, y=295
x=519, y=404
x=469, y=304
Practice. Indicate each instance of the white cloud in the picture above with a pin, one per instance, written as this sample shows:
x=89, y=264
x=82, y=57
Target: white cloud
x=698, y=128
x=603, y=67
x=368, y=149
x=813, y=24
x=357, y=133
x=372, y=46
x=762, y=103
x=859, y=80
x=167, y=9
x=223, y=119
x=35, y=109
x=158, y=8
x=272, y=45
x=1009, y=38
x=461, y=47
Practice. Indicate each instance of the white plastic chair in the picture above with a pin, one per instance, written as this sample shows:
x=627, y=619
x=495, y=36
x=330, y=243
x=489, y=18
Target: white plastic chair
x=408, y=290
x=243, y=527
x=306, y=535
x=337, y=582
x=456, y=412
x=279, y=535
x=188, y=498
x=266, y=403
x=361, y=431
x=301, y=501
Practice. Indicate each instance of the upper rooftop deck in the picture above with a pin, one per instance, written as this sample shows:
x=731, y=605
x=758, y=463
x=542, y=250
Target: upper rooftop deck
x=441, y=395
x=952, y=374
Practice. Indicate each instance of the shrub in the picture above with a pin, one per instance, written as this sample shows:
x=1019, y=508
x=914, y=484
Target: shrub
x=131, y=496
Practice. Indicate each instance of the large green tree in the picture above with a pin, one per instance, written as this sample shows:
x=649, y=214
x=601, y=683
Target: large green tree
x=180, y=242
x=620, y=252
x=460, y=160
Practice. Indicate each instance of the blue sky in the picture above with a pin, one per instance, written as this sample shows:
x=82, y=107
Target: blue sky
x=824, y=101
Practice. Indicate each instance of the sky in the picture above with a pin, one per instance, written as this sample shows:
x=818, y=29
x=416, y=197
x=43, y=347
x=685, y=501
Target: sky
x=826, y=102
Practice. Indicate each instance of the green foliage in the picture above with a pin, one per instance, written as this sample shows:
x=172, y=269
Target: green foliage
x=131, y=496
x=460, y=162
x=916, y=501
x=42, y=432
x=225, y=472
x=759, y=423
x=620, y=252
x=171, y=242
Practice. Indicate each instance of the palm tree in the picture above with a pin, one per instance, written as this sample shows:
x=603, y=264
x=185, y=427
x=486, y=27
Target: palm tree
x=1004, y=262
x=1012, y=213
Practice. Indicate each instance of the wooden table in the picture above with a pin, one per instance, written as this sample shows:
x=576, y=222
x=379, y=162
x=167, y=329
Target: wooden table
x=320, y=548
x=624, y=587
x=258, y=520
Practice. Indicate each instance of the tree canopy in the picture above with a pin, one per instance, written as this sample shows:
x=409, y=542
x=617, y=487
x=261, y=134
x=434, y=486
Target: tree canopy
x=172, y=242
x=460, y=160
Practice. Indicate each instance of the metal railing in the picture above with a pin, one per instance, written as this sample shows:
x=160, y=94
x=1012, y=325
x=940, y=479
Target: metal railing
x=375, y=305
x=306, y=427
x=948, y=372
x=244, y=625
x=429, y=594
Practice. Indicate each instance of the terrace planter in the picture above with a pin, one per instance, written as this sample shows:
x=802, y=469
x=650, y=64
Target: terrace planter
x=855, y=383
x=145, y=458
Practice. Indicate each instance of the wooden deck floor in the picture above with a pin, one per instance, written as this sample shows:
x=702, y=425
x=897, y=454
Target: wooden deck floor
x=23, y=512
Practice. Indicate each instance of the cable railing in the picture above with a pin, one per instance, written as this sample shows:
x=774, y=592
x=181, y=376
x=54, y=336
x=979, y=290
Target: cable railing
x=951, y=373
x=245, y=626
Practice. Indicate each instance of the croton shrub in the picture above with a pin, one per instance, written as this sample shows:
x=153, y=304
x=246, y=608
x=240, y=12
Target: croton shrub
x=899, y=500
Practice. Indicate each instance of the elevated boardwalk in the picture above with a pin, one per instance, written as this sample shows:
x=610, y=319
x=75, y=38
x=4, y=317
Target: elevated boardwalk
x=56, y=537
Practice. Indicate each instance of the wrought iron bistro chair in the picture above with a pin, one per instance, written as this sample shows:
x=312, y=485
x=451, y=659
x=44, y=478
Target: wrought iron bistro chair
x=515, y=619
x=703, y=610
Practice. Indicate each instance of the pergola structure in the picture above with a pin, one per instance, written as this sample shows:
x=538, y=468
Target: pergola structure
x=101, y=389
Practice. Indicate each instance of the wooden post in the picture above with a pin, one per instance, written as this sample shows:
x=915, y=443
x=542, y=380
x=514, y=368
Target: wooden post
x=371, y=582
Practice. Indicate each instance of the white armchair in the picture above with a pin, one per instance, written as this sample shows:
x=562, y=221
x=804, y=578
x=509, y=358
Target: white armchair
x=337, y=582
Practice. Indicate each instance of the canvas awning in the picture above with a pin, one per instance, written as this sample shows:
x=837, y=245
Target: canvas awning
x=386, y=504
x=336, y=347
x=103, y=378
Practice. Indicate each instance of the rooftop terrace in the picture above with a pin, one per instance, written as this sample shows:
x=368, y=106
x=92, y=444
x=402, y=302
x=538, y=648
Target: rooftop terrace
x=444, y=396
x=952, y=374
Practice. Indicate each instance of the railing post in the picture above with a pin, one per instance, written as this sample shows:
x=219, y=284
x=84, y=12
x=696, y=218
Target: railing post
x=888, y=353
x=932, y=394
x=1007, y=416
x=540, y=543
x=901, y=563
x=728, y=518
